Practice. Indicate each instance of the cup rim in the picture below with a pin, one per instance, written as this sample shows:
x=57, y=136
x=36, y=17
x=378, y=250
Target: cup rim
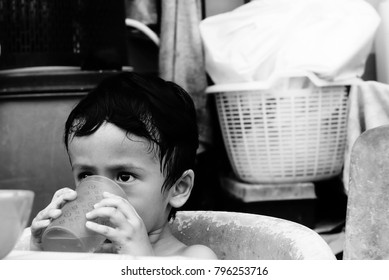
x=100, y=178
x=16, y=193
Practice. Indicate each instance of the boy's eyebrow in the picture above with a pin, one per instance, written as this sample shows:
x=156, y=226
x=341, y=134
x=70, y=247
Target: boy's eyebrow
x=82, y=166
x=124, y=166
x=111, y=166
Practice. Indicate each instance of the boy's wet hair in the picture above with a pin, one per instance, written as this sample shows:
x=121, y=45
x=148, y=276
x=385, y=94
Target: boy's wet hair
x=146, y=106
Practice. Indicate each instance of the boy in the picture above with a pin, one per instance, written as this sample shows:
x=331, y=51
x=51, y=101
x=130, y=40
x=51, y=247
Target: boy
x=140, y=132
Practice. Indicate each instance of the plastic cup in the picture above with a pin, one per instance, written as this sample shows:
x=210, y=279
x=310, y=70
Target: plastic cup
x=68, y=232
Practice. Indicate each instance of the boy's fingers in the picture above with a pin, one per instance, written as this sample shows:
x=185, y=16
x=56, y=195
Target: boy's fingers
x=62, y=191
x=102, y=229
x=44, y=217
x=38, y=226
x=54, y=213
x=48, y=213
x=118, y=202
x=113, y=214
x=60, y=199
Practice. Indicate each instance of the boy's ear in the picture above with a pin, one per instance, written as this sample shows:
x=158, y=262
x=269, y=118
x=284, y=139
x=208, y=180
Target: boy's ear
x=181, y=190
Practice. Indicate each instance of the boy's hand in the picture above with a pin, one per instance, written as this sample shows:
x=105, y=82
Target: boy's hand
x=44, y=217
x=128, y=233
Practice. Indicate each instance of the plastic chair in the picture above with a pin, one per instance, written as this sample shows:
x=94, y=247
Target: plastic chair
x=367, y=219
x=249, y=236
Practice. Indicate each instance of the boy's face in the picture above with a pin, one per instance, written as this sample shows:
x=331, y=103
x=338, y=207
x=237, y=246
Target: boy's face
x=129, y=162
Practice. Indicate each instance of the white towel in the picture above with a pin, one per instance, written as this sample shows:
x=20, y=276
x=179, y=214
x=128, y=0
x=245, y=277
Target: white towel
x=181, y=57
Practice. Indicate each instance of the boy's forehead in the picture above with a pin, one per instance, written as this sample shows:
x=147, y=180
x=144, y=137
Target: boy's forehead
x=109, y=137
x=150, y=147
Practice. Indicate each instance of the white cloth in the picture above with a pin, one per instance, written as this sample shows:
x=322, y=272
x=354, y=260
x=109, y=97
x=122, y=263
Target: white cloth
x=265, y=38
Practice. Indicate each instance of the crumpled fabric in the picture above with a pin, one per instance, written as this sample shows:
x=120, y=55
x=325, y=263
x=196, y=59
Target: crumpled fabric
x=265, y=38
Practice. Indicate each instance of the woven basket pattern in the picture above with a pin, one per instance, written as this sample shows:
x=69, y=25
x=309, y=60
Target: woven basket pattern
x=284, y=136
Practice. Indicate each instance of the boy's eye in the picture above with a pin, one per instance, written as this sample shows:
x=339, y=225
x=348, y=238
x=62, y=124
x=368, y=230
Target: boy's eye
x=84, y=175
x=125, y=177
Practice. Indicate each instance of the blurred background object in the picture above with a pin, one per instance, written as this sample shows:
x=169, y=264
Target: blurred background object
x=85, y=33
x=15, y=210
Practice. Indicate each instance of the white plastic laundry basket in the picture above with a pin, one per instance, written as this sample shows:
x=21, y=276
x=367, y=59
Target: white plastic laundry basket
x=280, y=134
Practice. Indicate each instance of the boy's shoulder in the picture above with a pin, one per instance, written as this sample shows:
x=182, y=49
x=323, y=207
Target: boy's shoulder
x=198, y=252
x=169, y=245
